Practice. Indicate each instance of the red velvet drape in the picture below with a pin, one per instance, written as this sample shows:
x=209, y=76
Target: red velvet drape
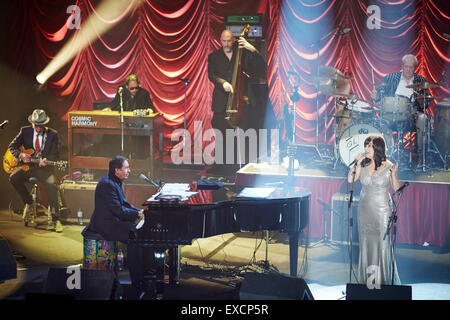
x=164, y=40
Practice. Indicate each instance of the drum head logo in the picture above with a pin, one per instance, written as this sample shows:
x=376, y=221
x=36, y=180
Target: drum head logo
x=363, y=131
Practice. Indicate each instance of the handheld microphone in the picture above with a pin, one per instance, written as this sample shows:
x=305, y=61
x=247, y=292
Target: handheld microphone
x=353, y=162
x=143, y=177
x=401, y=188
x=185, y=80
x=4, y=124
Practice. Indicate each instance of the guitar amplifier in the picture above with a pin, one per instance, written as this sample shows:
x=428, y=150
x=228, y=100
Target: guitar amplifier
x=75, y=196
x=339, y=230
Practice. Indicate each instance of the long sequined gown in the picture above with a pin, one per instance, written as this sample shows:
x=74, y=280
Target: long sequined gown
x=374, y=210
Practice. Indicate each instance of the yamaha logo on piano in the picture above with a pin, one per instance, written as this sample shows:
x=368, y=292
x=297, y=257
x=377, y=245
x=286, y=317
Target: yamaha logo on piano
x=159, y=228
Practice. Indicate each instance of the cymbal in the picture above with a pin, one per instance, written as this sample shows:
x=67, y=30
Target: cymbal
x=424, y=85
x=330, y=72
x=331, y=82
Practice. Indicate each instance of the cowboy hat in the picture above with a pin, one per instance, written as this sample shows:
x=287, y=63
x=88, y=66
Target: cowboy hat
x=38, y=117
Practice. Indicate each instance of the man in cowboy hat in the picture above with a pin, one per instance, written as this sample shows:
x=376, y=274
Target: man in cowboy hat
x=44, y=142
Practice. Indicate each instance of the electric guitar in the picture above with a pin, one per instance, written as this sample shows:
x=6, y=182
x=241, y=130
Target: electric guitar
x=11, y=164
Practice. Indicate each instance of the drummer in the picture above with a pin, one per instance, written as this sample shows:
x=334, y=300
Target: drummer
x=396, y=84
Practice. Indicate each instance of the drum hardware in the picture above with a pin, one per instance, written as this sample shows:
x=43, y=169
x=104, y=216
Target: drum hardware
x=424, y=85
x=426, y=134
x=442, y=131
x=396, y=108
x=332, y=83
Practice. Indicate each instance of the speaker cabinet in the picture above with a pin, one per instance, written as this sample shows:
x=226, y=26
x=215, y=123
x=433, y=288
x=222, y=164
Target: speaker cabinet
x=77, y=196
x=8, y=265
x=386, y=292
x=81, y=284
x=339, y=230
x=258, y=286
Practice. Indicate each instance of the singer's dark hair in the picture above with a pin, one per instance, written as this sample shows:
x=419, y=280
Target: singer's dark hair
x=116, y=163
x=379, y=149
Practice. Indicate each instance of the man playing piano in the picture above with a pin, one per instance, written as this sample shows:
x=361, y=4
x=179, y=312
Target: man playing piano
x=114, y=218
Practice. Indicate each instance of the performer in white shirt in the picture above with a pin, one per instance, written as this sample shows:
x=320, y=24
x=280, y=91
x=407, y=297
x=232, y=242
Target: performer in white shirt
x=395, y=84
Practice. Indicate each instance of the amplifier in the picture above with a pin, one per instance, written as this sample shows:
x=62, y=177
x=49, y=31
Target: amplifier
x=77, y=195
x=339, y=230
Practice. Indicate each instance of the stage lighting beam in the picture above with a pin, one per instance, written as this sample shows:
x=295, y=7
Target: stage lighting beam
x=107, y=14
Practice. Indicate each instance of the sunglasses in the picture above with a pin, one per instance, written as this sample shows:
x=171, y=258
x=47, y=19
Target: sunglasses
x=133, y=88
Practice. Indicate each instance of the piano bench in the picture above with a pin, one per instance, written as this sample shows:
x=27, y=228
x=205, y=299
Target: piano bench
x=99, y=254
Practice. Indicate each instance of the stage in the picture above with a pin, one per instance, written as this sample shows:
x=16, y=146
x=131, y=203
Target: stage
x=212, y=267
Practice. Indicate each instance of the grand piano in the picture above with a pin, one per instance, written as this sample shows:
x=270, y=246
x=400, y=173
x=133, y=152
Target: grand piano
x=170, y=223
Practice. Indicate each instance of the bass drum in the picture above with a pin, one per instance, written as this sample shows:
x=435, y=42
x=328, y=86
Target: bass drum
x=352, y=140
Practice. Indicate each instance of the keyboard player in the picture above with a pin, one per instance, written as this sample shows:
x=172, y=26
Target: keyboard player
x=132, y=97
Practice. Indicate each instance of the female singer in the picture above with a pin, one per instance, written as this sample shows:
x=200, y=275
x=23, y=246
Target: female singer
x=375, y=207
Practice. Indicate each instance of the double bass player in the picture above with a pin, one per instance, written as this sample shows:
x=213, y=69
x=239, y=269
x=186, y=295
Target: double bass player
x=221, y=64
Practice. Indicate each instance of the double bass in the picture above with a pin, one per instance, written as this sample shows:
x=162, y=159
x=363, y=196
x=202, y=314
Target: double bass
x=236, y=99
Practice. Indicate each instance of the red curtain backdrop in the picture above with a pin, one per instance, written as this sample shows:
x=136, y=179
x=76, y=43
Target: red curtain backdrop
x=164, y=40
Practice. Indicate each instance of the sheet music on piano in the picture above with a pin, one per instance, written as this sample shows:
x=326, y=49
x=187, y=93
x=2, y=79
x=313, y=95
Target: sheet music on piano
x=255, y=193
x=173, y=189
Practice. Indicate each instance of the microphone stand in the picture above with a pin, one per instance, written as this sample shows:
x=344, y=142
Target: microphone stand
x=291, y=153
x=185, y=81
x=350, y=222
x=392, y=223
x=121, y=119
x=317, y=45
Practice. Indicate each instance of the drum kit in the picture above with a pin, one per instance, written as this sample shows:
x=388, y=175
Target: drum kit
x=392, y=119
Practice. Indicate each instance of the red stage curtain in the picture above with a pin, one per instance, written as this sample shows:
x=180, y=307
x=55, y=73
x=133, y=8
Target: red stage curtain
x=161, y=41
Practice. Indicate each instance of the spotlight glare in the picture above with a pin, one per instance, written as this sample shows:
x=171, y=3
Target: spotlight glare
x=40, y=78
x=107, y=13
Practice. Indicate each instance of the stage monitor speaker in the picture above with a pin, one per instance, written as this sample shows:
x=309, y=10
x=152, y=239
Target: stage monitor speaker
x=258, y=286
x=339, y=230
x=386, y=292
x=88, y=284
x=77, y=195
x=8, y=265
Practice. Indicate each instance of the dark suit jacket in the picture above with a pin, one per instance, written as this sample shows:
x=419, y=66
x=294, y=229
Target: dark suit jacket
x=49, y=148
x=113, y=216
x=141, y=100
